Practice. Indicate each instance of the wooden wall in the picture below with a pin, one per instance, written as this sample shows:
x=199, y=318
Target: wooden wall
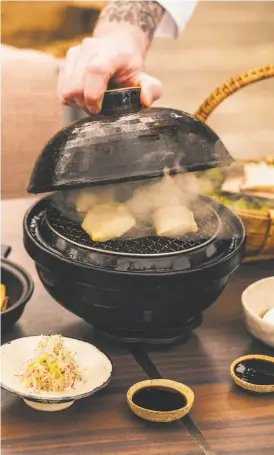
x=35, y=24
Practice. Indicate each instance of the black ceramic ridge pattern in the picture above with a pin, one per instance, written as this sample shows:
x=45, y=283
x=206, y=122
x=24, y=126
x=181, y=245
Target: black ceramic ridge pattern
x=126, y=142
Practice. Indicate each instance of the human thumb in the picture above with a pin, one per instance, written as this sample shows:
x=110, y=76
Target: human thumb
x=151, y=88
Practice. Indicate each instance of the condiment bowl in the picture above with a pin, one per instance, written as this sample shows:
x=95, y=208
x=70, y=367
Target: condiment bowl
x=254, y=372
x=161, y=385
x=257, y=299
x=95, y=367
x=19, y=289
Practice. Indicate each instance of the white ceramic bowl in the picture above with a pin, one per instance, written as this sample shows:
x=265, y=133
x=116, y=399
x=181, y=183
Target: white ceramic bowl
x=257, y=299
x=96, y=369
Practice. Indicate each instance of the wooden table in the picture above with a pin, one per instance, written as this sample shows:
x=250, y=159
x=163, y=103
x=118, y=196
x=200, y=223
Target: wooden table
x=233, y=422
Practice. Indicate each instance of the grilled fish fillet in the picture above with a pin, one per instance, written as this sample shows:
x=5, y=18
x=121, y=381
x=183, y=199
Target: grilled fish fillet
x=108, y=221
x=174, y=221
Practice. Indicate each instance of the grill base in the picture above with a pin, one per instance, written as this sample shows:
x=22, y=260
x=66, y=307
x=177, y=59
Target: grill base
x=166, y=337
x=154, y=300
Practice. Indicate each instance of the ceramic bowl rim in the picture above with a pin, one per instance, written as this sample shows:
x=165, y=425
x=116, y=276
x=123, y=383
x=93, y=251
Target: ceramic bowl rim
x=60, y=399
x=16, y=270
x=246, y=305
x=164, y=383
x=55, y=255
x=246, y=385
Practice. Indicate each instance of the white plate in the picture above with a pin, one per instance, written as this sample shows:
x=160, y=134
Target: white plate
x=95, y=367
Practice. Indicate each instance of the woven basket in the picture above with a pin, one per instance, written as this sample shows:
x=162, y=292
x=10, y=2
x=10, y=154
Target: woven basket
x=259, y=224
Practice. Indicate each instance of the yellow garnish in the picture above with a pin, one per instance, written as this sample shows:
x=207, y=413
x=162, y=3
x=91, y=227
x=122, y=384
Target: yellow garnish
x=54, y=369
x=4, y=298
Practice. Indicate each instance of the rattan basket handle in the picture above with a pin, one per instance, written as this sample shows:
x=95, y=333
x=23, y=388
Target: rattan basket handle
x=230, y=87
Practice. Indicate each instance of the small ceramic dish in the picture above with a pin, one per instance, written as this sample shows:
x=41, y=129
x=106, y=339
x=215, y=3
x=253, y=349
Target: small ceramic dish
x=254, y=372
x=95, y=366
x=168, y=410
x=257, y=299
x=19, y=289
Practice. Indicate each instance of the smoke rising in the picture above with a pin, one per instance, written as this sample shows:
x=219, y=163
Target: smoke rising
x=142, y=199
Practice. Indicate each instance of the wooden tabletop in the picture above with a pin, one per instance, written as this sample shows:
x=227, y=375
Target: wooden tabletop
x=233, y=422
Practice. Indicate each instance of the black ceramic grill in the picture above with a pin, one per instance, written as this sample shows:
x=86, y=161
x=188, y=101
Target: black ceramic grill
x=136, y=289
x=147, y=289
x=206, y=218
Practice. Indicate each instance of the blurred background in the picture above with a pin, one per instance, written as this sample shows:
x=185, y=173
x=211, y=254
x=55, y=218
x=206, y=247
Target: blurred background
x=223, y=39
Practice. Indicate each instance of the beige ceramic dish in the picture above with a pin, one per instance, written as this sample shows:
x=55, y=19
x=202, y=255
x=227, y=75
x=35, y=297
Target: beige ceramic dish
x=257, y=299
x=258, y=388
x=95, y=366
x=161, y=416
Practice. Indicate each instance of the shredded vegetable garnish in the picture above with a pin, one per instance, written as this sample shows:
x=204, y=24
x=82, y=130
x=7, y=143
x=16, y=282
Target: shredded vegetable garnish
x=54, y=369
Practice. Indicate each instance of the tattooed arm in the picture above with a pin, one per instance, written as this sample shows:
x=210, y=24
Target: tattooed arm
x=115, y=53
x=140, y=17
x=117, y=50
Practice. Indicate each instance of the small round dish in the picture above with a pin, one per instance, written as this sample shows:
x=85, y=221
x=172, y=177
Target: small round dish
x=19, y=289
x=96, y=370
x=257, y=299
x=183, y=395
x=250, y=374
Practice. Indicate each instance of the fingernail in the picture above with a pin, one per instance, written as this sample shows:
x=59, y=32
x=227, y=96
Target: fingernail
x=146, y=98
x=99, y=105
x=146, y=101
x=92, y=108
x=95, y=108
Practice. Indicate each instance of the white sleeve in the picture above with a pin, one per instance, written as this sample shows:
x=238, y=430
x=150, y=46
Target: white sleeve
x=177, y=14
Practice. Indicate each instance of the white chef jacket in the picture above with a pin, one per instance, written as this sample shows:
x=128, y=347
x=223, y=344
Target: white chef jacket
x=177, y=14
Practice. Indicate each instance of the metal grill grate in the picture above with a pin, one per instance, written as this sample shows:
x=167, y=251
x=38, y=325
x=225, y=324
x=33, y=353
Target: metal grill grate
x=206, y=218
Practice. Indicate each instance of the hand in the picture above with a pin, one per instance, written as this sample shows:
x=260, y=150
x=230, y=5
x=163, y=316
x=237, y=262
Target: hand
x=115, y=55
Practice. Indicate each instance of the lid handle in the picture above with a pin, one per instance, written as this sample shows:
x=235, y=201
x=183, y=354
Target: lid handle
x=121, y=101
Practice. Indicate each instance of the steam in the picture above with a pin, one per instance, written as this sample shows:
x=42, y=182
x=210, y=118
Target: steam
x=179, y=190
x=74, y=204
x=142, y=199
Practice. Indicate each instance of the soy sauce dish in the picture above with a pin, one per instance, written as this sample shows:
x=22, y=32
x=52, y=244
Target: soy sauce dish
x=160, y=400
x=254, y=373
x=16, y=356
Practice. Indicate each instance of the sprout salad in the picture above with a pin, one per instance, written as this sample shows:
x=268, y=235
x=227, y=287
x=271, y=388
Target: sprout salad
x=54, y=369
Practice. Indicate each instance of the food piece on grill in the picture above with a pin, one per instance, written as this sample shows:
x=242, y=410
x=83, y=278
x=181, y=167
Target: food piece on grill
x=258, y=177
x=108, y=221
x=174, y=221
x=90, y=197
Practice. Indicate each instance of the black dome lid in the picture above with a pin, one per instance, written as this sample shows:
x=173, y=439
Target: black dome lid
x=126, y=142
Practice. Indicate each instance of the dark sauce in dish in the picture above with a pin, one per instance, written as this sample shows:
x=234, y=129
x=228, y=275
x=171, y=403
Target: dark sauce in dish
x=255, y=371
x=159, y=399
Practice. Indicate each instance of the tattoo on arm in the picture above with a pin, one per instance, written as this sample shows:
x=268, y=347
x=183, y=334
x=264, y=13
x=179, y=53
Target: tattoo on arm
x=145, y=14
